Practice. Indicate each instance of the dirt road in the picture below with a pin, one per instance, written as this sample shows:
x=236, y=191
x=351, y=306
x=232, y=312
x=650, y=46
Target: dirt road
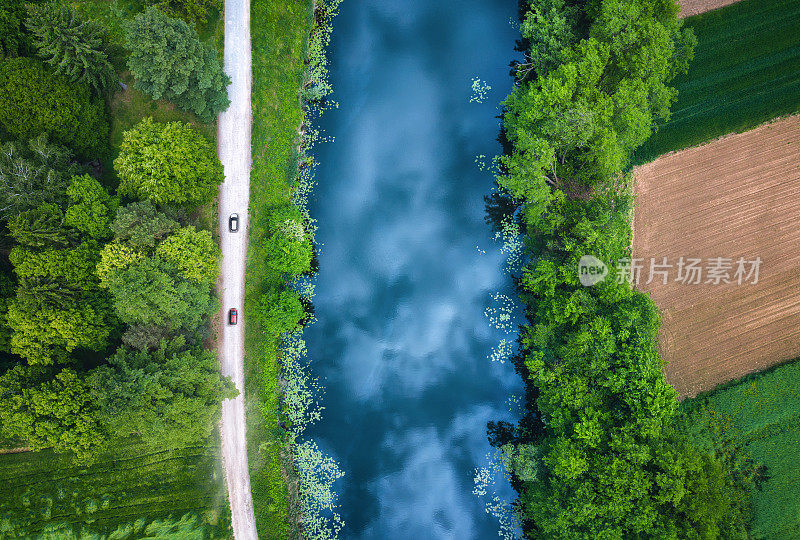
x=234, y=152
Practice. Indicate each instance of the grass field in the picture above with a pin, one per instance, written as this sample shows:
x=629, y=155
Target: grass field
x=746, y=70
x=761, y=415
x=735, y=197
x=280, y=33
x=41, y=489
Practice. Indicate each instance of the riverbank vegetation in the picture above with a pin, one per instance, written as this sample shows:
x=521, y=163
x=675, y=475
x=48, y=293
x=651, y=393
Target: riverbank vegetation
x=107, y=280
x=289, y=77
x=599, y=453
x=744, y=73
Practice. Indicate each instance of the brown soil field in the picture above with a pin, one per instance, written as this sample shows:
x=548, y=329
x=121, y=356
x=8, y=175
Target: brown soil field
x=695, y=7
x=738, y=196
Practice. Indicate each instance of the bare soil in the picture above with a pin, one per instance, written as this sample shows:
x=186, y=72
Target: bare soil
x=738, y=196
x=695, y=7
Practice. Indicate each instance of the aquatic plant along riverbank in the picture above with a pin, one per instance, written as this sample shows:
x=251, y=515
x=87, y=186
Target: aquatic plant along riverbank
x=598, y=454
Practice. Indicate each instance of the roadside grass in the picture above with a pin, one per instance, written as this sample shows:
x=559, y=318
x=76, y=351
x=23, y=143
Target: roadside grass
x=759, y=414
x=42, y=490
x=746, y=70
x=280, y=32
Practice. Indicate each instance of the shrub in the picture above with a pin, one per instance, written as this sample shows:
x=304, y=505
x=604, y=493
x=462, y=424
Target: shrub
x=34, y=101
x=191, y=11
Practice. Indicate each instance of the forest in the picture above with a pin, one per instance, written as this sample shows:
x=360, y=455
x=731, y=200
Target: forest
x=601, y=451
x=109, y=251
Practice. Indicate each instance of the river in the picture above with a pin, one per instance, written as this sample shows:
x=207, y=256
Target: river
x=407, y=265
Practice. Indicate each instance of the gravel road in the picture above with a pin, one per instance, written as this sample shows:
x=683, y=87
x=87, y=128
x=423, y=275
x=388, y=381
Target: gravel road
x=234, y=152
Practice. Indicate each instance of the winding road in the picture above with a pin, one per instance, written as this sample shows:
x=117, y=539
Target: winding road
x=234, y=196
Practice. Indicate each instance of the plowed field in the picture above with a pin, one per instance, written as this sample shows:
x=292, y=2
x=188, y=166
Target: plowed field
x=735, y=197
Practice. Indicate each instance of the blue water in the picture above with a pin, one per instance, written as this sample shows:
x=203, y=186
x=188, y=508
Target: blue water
x=401, y=343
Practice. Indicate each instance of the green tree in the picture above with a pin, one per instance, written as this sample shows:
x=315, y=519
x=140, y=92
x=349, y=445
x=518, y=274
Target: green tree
x=50, y=409
x=193, y=253
x=280, y=312
x=288, y=255
x=171, y=396
x=12, y=28
x=33, y=173
x=169, y=61
x=72, y=45
x=34, y=101
x=168, y=164
x=549, y=29
x=192, y=11
x=114, y=258
x=49, y=321
x=149, y=292
x=71, y=266
x=41, y=227
x=141, y=225
x=90, y=208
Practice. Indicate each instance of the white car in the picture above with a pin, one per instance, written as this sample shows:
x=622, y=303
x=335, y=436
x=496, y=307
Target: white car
x=233, y=222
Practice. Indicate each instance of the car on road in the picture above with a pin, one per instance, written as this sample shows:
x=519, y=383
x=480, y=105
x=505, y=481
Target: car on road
x=233, y=316
x=233, y=222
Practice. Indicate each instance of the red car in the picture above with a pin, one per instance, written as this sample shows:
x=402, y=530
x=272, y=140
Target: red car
x=233, y=316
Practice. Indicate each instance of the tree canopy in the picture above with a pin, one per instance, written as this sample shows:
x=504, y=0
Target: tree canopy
x=33, y=101
x=168, y=164
x=169, y=61
x=72, y=45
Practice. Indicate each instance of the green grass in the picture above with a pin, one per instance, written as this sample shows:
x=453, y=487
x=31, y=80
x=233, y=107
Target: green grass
x=134, y=483
x=746, y=71
x=280, y=33
x=761, y=415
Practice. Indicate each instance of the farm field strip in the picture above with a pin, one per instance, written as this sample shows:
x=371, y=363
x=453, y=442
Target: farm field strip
x=695, y=7
x=745, y=72
x=736, y=197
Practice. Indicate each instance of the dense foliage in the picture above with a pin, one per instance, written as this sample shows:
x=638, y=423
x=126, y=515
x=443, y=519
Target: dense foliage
x=191, y=11
x=168, y=60
x=12, y=28
x=71, y=45
x=34, y=101
x=168, y=164
x=598, y=455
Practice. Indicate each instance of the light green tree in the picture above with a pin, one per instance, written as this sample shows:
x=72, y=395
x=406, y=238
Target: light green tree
x=168, y=164
x=192, y=253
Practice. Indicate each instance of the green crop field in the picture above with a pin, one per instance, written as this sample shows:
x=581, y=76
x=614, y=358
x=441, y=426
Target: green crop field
x=43, y=490
x=746, y=70
x=760, y=414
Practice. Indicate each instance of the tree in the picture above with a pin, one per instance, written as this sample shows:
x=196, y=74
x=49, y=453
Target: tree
x=549, y=30
x=171, y=396
x=169, y=61
x=149, y=292
x=41, y=227
x=90, y=208
x=141, y=225
x=168, y=164
x=192, y=253
x=49, y=321
x=47, y=408
x=12, y=28
x=288, y=255
x=72, y=45
x=114, y=258
x=280, y=312
x=32, y=174
x=34, y=101
x=191, y=11
x=71, y=266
